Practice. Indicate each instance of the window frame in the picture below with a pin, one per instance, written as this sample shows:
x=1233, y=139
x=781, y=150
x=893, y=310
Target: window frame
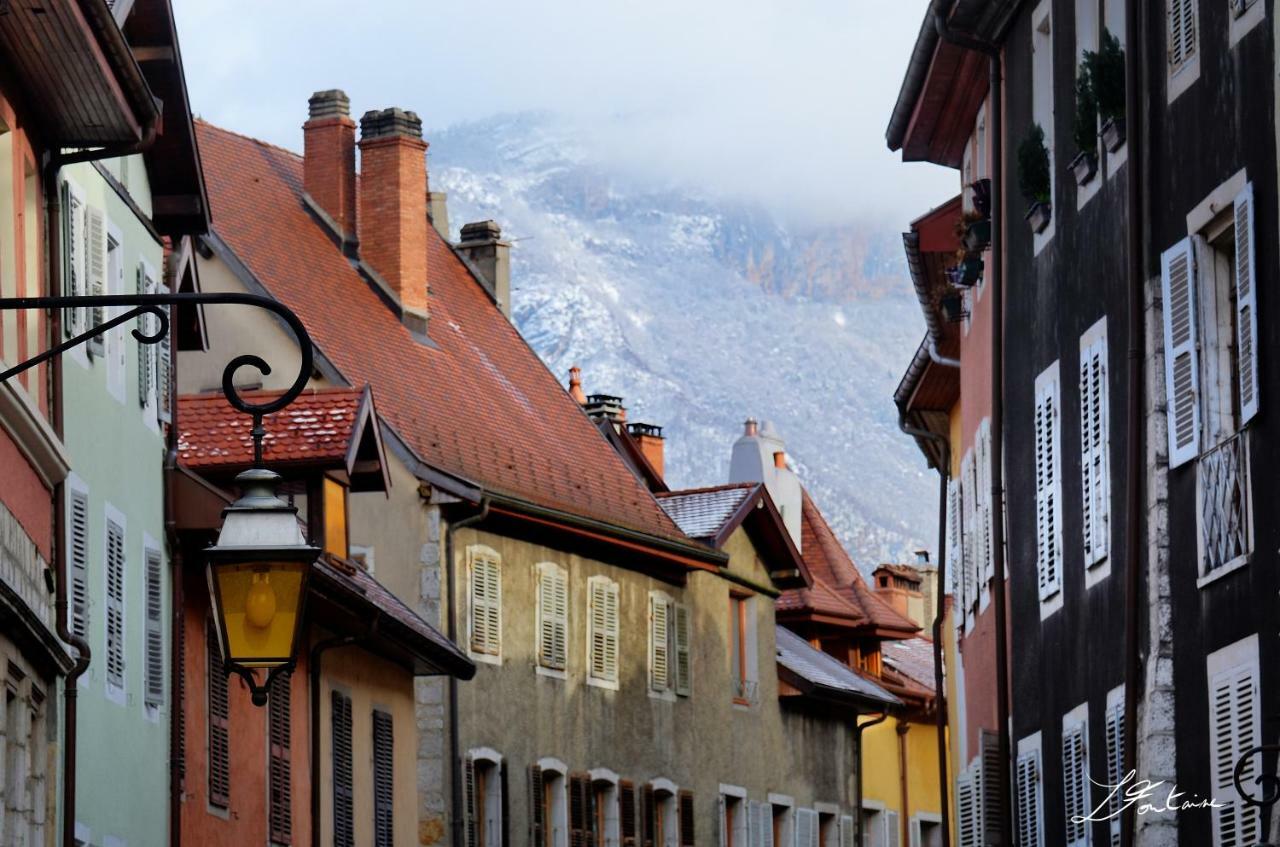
x=1179, y=77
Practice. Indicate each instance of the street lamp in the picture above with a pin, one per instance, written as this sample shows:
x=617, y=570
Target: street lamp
x=257, y=576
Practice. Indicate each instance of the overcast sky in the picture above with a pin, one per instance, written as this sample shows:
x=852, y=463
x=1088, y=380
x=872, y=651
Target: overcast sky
x=784, y=102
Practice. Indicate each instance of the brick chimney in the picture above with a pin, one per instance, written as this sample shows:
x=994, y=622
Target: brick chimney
x=652, y=445
x=481, y=243
x=393, y=207
x=329, y=158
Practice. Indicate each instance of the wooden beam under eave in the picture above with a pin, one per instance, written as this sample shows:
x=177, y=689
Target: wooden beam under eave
x=175, y=205
x=158, y=53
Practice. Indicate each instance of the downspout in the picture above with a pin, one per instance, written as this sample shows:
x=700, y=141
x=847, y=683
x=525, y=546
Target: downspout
x=939, y=620
x=904, y=819
x=858, y=729
x=451, y=627
x=1133, y=468
x=1000, y=613
x=177, y=601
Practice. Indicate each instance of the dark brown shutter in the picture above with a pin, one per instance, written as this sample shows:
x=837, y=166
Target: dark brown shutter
x=279, y=732
x=470, y=813
x=627, y=813
x=588, y=812
x=686, y=819
x=219, y=724
x=343, y=823
x=648, y=816
x=383, y=779
x=506, y=817
x=581, y=814
x=536, y=823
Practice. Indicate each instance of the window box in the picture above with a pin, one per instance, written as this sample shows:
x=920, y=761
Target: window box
x=1113, y=134
x=1085, y=167
x=1039, y=216
x=977, y=236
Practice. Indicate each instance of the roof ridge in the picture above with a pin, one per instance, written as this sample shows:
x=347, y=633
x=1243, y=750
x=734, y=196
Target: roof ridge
x=706, y=489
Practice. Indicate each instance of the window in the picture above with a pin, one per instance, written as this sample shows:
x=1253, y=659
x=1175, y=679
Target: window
x=343, y=794
x=660, y=814
x=669, y=640
x=806, y=828
x=828, y=830
x=742, y=649
x=605, y=808
x=926, y=831
x=602, y=632
x=1048, y=458
x=78, y=553
x=1115, y=756
x=485, y=569
x=553, y=617
x=1075, y=776
x=279, y=766
x=335, y=517
x=1245, y=15
x=1029, y=793
x=154, y=645
x=1095, y=449
x=1183, y=47
x=874, y=831
x=782, y=821
x=114, y=570
x=483, y=782
x=383, y=779
x=1086, y=15
x=734, y=811
x=219, y=712
x=1211, y=366
x=686, y=822
x=549, y=822
x=1042, y=105
x=1235, y=725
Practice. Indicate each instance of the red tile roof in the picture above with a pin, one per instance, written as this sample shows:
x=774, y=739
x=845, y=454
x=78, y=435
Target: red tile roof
x=476, y=403
x=829, y=566
x=317, y=428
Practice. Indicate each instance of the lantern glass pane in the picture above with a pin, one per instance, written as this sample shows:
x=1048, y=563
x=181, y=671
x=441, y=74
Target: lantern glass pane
x=260, y=603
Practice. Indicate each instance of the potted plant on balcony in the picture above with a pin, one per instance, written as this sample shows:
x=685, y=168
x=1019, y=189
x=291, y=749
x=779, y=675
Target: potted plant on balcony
x=1034, y=178
x=974, y=231
x=1107, y=73
x=1085, y=129
x=952, y=304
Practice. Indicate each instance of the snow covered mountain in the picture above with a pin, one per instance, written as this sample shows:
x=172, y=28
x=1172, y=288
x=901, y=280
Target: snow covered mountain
x=702, y=312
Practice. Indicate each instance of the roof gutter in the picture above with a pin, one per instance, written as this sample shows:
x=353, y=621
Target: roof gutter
x=911, y=245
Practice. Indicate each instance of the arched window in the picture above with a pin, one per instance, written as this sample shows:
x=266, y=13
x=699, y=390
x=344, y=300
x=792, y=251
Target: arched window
x=482, y=789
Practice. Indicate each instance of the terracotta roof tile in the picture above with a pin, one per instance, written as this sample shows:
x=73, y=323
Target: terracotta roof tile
x=317, y=428
x=911, y=657
x=701, y=512
x=477, y=403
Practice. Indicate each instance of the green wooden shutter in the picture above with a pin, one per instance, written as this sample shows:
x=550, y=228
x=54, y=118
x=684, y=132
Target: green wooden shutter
x=78, y=548
x=154, y=644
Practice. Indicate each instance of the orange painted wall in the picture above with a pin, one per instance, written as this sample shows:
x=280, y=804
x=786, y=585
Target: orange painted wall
x=245, y=821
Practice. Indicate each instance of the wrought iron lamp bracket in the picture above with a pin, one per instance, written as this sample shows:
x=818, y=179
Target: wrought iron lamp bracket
x=259, y=693
x=1270, y=782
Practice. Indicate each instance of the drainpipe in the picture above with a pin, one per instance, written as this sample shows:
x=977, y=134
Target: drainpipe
x=858, y=729
x=451, y=626
x=904, y=819
x=177, y=601
x=939, y=620
x=1000, y=614
x=1134, y=58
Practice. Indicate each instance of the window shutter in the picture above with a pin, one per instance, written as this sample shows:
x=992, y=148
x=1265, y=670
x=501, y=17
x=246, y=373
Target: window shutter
x=144, y=350
x=755, y=833
x=892, y=830
x=504, y=836
x=806, y=828
x=648, y=822
x=115, y=604
x=553, y=614
x=1246, y=305
x=985, y=516
x=627, y=813
x=164, y=372
x=486, y=603
x=383, y=779
x=722, y=817
x=537, y=825
x=1094, y=452
x=684, y=669
x=343, y=813
x=964, y=811
x=154, y=665
x=1048, y=507
x=686, y=819
x=1075, y=785
x=659, y=659
x=78, y=547
x=96, y=268
x=913, y=835
x=471, y=811
x=1115, y=763
x=953, y=554
x=280, y=780
x=1235, y=726
x=1182, y=32
x=846, y=831
x=219, y=724
x=68, y=259
x=1181, y=356
x=989, y=797
x=1028, y=790
x=577, y=811
x=74, y=284
x=602, y=621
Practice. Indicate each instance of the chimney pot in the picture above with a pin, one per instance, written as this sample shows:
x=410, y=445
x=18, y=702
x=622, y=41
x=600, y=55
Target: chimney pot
x=333, y=103
x=384, y=123
x=329, y=159
x=750, y=428
x=481, y=242
x=575, y=385
x=922, y=557
x=780, y=459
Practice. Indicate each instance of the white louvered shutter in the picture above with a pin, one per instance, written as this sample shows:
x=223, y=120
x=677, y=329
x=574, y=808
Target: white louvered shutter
x=1115, y=764
x=1075, y=785
x=164, y=372
x=154, y=646
x=966, y=819
x=1183, y=36
x=146, y=372
x=913, y=834
x=892, y=829
x=115, y=566
x=78, y=549
x=806, y=828
x=986, y=507
x=684, y=669
x=755, y=832
x=74, y=285
x=969, y=490
x=1048, y=505
x=486, y=603
x=766, y=825
x=1181, y=356
x=659, y=654
x=953, y=554
x=846, y=831
x=553, y=613
x=603, y=638
x=1234, y=727
x=1030, y=820
x=1246, y=305
x=1094, y=451
x=95, y=252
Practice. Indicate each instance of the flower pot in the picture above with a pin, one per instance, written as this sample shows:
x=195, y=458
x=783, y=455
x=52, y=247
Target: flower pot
x=977, y=235
x=1085, y=167
x=953, y=307
x=982, y=197
x=1039, y=216
x=1113, y=134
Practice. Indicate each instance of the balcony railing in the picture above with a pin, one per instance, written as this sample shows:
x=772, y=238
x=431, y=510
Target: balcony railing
x=1224, y=504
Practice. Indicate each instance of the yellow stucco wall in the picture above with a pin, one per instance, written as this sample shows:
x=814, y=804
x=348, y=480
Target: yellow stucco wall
x=882, y=769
